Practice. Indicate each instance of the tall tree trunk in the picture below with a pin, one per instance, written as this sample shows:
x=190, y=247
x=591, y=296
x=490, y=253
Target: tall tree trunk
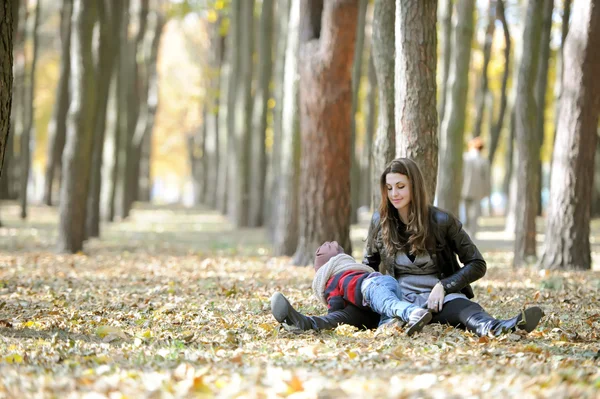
x=528, y=155
x=26, y=137
x=234, y=113
x=148, y=104
x=287, y=181
x=116, y=142
x=6, y=74
x=328, y=35
x=384, y=48
x=58, y=124
x=567, y=242
x=596, y=190
x=259, y=122
x=274, y=171
x=80, y=130
x=497, y=126
x=225, y=118
x=541, y=86
x=445, y=38
x=453, y=126
x=109, y=18
x=370, y=118
x=355, y=187
x=213, y=162
x=481, y=96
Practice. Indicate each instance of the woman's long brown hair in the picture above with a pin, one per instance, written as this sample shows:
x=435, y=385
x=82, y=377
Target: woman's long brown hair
x=417, y=228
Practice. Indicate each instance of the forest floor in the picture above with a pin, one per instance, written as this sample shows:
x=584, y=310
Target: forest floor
x=175, y=303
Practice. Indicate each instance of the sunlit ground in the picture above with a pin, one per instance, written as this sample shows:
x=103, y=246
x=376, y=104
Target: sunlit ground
x=174, y=303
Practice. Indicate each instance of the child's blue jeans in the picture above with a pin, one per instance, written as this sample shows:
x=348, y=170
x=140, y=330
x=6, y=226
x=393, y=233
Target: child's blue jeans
x=382, y=294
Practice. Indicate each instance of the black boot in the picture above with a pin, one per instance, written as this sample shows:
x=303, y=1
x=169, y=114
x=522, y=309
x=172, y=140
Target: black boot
x=284, y=313
x=481, y=323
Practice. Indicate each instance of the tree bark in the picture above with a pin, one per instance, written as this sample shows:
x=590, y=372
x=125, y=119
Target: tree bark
x=226, y=98
x=287, y=181
x=541, y=86
x=109, y=18
x=58, y=124
x=481, y=96
x=80, y=129
x=355, y=171
x=416, y=113
x=259, y=120
x=526, y=142
x=328, y=35
x=445, y=39
x=6, y=74
x=567, y=241
x=29, y=110
x=497, y=126
x=384, y=48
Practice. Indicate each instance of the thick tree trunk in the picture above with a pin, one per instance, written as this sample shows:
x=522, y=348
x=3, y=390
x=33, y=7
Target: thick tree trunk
x=497, y=126
x=26, y=137
x=567, y=242
x=80, y=130
x=259, y=120
x=274, y=171
x=355, y=187
x=445, y=39
x=527, y=143
x=109, y=16
x=596, y=190
x=481, y=96
x=416, y=113
x=6, y=75
x=58, y=124
x=541, y=86
x=384, y=48
x=328, y=33
x=287, y=181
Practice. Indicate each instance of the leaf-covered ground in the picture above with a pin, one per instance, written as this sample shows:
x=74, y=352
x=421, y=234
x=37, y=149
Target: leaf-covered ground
x=175, y=303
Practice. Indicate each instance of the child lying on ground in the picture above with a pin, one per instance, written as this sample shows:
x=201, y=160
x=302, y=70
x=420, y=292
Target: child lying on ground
x=340, y=280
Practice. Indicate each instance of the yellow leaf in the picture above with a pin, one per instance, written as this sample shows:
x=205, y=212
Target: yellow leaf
x=351, y=354
x=13, y=358
x=103, y=331
x=294, y=385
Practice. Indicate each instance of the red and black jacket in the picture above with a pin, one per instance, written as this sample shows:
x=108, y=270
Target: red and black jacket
x=343, y=289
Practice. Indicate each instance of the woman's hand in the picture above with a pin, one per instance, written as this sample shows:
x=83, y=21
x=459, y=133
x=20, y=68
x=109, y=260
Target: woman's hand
x=435, y=302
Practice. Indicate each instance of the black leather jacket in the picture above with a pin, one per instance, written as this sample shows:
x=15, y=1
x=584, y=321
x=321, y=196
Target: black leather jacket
x=448, y=240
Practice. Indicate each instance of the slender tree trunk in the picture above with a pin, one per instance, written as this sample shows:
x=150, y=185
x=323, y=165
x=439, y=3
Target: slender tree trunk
x=445, y=38
x=109, y=156
x=567, y=242
x=287, y=181
x=541, y=86
x=371, y=114
x=213, y=162
x=26, y=137
x=58, y=124
x=109, y=18
x=481, y=96
x=259, y=123
x=328, y=36
x=80, y=130
x=225, y=118
x=274, y=172
x=355, y=187
x=384, y=48
x=497, y=126
x=6, y=74
x=453, y=126
x=527, y=144
x=233, y=113
x=148, y=94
